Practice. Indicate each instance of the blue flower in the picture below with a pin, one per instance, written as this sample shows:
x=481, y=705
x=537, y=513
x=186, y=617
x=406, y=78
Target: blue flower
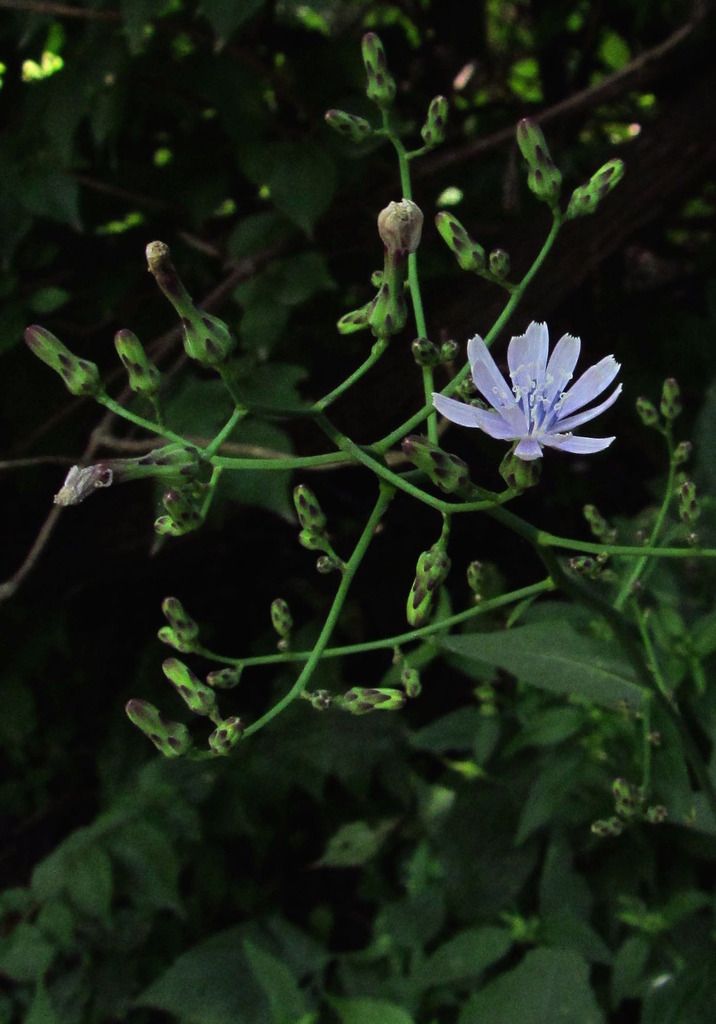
x=537, y=410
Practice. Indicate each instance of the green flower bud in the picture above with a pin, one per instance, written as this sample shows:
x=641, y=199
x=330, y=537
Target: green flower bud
x=206, y=338
x=475, y=577
x=656, y=815
x=165, y=526
x=433, y=131
x=410, y=681
x=587, y=198
x=543, y=177
x=312, y=540
x=628, y=799
x=689, y=510
x=670, y=405
x=81, y=377
x=400, y=226
x=281, y=619
x=226, y=736
x=682, y=452
x=519, y=474
x=356, y=320
x=170, y=738
x=389, y=310
x=326, y=564
x=178, y=619
x=430, y=572
x=448, y=471
x=175, y=640
x=376, y=278
x=598, y=525
x=321, y=700
x=499, y=262
x=360, y=700
x=144, y=377
x=607, y=827
x=357, y=129
x=424, y=352
x=585, y=566
x=198, y=697
x=225, y=678
x=646, y=412
x=469, y=254
x=183, y=510
x=309, y=512
x=448, y=351
x=381, y=85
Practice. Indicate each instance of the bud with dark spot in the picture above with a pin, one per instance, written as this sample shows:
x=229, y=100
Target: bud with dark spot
x=225, y=678
x=587, y=198
x=144, y=377
x=543, y=177
x=518, y=473
x=197, y=696
x=282, y=622
x=360, y=700
x=226, y=736
x=670, y=405
x=646, y=412
x=400, y=226
x=381, y=84
x=448, y=471
x=81, y=377
x=424, y=352
x=433, y=131
x=469, y=254
x=431, y=572
x=181, y=632
x=170, y=738
x=410, y=681
x=499, y=261
x=352, y=127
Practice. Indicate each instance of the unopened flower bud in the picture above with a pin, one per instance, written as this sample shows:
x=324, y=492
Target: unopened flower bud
x=197, y=696
x=499, y=262
x=689, y=510
x=587, y=198
x=670, y=405
x=424, y=352
x=321, y=700
x=226, y=736
x=448, y=351
x=170, y=738
x=81, y=377
x=628, y=799
x=400, y=226
x=281, y=618
x=326, y=564
x=518, y=473
x=309, y=512
x=352, y=127
x=543, y=177
x=225, y=678
x=381, y=85
x=656, y=815
x=607, y=827
x=469, y=254
x=431, y=572
x=682, y=452
x=356, y=320
x=433, y=131
x=207, y=339
x=144, y=377
x=177, y=617
x=646, y=412
x=389, y=310
x=182, y=509
x=598, y=524
x=448, y=471
x=584, y=565
x=360, y=700
x=410, y=681
x=475, y=577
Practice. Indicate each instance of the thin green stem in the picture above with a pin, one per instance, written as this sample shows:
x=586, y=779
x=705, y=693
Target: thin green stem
x=384, y=498
x=629, y=583
x=398, y=640
x=215, y=445
x=376, y=352
x=140, y=421
x=646, y=748
x=651, y=659
x=289, y=462
x=211, y=491
x=396, y=435
x=227, y=375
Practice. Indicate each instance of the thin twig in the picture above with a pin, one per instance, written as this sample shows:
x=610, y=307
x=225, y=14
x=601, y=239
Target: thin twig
x=60, y=10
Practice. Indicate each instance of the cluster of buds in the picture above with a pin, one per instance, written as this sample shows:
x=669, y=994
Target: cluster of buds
x=226, y=736
x=314, y=533
x=170, y=738
x=181, y=632
x=431, y=572
x=81, y=377
x=182, y=508
x=543, y=176
x=469, y=254
x=689, y=510
x=206, y=338
x=590, y=568
x=598, y=525
x=629, y=806
x=587, y=198
x=447, y=471
x=628, y=799
x=282, y=622
x=426, y=353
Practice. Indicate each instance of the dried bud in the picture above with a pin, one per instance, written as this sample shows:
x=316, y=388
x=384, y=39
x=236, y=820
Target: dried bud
x=170, y=738
x=381, y=85
x=587, y=198
x=80, y=483
x=670, y=405
x=198, y=697
x=499, y=262
x=469, y=254
x=424, y=352
x=226, y=736
x=543, y=177
x=607, y=827
x=354, y=128
x=448, y=471
x=430, y=572
x=646, y=412
x=81, y=377
x=433, y=131
x=400, y=226
x=360, y=700
x=144, y=377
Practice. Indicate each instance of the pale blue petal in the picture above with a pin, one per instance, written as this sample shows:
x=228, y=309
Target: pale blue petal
x=488, y=379
x=466, y=415
x=528, y=449
x=497, y=425
x=456, y=412
x=570, y=422
x=576, y=445
x=561, y=366
x=592, y=382
x=530, y=350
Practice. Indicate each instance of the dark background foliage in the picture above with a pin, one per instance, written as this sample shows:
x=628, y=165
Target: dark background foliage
x=437, y=866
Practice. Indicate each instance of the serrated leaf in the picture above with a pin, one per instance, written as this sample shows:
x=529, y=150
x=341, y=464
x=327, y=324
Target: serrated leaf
x=554, y=656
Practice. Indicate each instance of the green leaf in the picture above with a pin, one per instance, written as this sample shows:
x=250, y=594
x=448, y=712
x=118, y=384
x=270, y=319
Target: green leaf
x=369, y=1011
x=554, y=656
x=685, y=998
x=281, y=989
x=552, y=785
x=153, y=863
x=260, y=488
x=354, y=844
x=256, y=232
x=465, y=955
x=547, y=986
x=90, y=882
x=47, y=300
x=41, y=1010
x=629, y=970
x=454, y=731
x=225, y=17
x=25, y=954
x=302, y=182
x=614, y=51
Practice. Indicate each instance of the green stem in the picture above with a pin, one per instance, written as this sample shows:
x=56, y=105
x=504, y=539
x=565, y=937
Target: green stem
x=140, y=421
x=225, y=431
x=629, y=583
x=384, y=498
x=211, y=491
x=376, y=352
x=390, y=439
x=289, y=462
x=227, y=375
x=524, y=593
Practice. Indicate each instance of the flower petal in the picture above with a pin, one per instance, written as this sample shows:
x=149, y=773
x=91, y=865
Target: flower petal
x=576, y=445
x=528, y=449
x=529, y=350
x=470, y=416
x=570, y=422
x=488, y=379
x=592, y=382
x=561, y=366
